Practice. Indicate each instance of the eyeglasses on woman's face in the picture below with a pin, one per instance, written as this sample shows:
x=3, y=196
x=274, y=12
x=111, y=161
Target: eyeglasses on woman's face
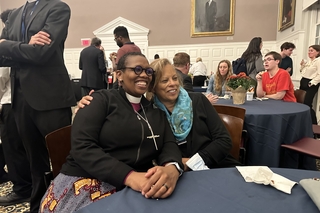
x=138, y=70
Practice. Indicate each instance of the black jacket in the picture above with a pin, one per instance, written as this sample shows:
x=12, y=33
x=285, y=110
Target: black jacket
x=93, y=68
x=41, y=71
x=208, y=135
x=108, y=140
x=186, y=81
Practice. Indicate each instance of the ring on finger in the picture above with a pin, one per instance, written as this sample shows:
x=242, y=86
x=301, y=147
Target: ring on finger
x=165, y=185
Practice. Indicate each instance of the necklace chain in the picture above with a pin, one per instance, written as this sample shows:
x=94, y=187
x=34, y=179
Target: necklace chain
x=149, y=126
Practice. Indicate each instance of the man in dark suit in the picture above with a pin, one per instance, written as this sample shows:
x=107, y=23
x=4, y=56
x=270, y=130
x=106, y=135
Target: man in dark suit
x=93, y=67
x=13, y=150
x=32, y=44
x=181, y=62
x=211, y=11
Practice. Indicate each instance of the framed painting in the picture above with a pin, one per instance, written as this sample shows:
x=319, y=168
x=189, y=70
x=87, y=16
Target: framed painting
x=286, y=14
x=212, y=17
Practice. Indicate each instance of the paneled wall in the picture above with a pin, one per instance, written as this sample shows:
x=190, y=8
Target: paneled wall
x=211, y=54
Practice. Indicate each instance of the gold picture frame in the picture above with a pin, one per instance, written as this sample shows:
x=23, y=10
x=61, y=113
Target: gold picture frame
x=286, y=14
x=214, y=19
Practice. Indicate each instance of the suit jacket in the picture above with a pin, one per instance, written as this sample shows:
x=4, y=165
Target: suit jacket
x=211, y=12
x=40, y=70
x=186, y=81
x=93, y=68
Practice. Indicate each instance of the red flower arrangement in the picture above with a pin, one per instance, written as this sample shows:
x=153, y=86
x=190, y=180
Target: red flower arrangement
x=240, y=80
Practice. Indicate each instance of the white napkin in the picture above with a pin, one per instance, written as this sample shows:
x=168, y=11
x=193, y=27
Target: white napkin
x=196, y=163
x=264, y=175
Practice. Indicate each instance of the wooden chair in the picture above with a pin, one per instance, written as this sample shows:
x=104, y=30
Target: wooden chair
x=316, y=130
x=305, y=146
x=239, y=113
x=234, y=126
x=59, y=145
x=230, y=110
x=300, y=95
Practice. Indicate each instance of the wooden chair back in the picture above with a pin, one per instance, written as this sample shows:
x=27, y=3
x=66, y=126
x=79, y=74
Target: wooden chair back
x=300, y=95
x=305, y=146
x=234, y=126
x=230, y=110
x=59, y=145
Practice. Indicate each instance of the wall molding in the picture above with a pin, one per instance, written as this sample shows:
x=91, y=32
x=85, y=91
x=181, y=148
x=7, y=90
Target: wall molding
x=211, y=54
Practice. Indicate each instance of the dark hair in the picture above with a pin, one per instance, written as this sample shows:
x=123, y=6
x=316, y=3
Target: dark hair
x=287, y=45
x=181, y=59
x=156, y=56
x=253, y=49
x=4, y=15
x=123, y=60
x=317, y=48
x=275, y=55
x=121, y=31
x=96, y=41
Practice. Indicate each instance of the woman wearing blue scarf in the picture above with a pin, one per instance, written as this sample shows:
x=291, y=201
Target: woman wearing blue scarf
x=202, y=138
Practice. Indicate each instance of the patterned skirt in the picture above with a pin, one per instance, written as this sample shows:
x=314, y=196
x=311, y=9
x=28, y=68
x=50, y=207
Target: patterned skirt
x=69, y=193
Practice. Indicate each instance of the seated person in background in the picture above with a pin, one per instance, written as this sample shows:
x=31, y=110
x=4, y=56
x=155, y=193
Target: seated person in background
x=199, y=72
x=275, y=83
x=286, y=62
x=114, y=142
x=202, y=137
x=217, y=83
x=181, y=63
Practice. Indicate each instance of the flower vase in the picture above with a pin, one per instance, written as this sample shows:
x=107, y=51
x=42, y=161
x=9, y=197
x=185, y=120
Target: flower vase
x=239, y=95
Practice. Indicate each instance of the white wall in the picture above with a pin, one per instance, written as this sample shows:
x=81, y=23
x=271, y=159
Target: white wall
x=211, y=54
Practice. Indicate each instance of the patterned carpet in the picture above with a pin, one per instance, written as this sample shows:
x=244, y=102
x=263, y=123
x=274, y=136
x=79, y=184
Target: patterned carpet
x=5, y=188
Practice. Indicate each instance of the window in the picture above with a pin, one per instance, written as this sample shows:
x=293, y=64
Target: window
x=317, y=38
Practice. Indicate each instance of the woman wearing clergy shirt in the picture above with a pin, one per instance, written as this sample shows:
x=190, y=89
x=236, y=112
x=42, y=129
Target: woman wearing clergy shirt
x=202, y=138
x=114, y=142
x=310, y=72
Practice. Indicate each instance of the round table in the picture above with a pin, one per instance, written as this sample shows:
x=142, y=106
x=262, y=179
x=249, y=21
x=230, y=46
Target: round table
x=271, y=123
x=215, y=190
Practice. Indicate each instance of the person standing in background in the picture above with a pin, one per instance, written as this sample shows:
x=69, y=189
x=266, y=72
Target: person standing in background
x=92, y=64
x=199, y=72
x=310, y=72
x=253, y=57
x=211, y=11
x=4, y=177
x=121, y=37
x=286, y=51
x=32, y=44
x=13, y=150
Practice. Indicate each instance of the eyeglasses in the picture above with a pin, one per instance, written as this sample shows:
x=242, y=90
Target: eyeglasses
x=138, y=70
x=268, y=59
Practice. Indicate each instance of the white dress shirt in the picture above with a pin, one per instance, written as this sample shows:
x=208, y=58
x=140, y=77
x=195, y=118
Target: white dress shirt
x=198, y=69
x=5, y=85
x=311, y=70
